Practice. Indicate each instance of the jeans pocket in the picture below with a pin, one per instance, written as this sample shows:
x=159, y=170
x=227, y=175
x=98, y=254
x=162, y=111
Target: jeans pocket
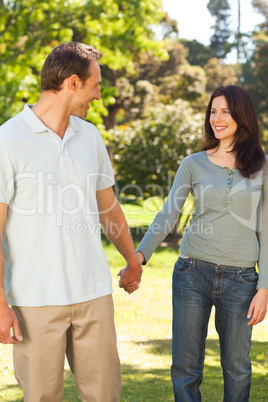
x=249, y=276
x=182, y=265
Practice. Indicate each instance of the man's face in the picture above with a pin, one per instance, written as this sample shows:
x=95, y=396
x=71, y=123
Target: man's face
x=87, y=91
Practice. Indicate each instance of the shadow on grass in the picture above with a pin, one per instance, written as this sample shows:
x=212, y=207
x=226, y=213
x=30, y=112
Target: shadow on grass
x=212, y=386
x=258, y=354
x=157, y=346
x=144, y=385
x=154, y=385
x=137, y=385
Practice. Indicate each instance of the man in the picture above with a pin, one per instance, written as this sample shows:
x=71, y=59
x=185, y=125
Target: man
x=55, y=191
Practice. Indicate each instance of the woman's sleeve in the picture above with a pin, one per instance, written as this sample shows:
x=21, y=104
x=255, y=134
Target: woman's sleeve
x=165, y=220
x=263, y=237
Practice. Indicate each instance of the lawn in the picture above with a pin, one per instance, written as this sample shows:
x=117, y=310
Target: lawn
x=143, y=322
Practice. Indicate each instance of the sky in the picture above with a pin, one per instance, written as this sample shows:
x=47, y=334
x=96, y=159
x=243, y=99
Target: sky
x=195, y=21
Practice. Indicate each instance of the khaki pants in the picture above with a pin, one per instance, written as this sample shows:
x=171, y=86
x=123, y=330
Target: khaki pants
x=85, y=332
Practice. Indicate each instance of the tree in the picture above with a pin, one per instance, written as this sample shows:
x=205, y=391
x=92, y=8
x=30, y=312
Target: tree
x=255, y=70
x=169, y=27
x=175, y=77
x=219, y=73
x=256, y=81
x=159, y=81
x=121, y=29
x=199, y=54
x=219, y=40
x=188, y=84
x=262, y=7
x=238, y=33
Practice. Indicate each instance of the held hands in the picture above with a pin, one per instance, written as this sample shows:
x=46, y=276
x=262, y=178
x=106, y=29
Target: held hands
x=258, y=307
x=130, y=276
x=8, y=321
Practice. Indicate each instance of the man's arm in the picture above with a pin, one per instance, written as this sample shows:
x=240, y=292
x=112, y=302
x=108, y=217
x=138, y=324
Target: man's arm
x=115, y=227
x=8, y=319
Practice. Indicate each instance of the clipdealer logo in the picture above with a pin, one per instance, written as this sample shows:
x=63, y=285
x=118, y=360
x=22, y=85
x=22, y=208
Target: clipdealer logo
x=47, y=197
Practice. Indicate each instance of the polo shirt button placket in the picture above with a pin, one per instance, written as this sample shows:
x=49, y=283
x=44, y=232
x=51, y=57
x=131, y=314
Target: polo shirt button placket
x=228, y=188
x=64, y=155
x=61, y=151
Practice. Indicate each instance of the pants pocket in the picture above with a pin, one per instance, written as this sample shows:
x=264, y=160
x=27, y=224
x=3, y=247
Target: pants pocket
x=182, y=265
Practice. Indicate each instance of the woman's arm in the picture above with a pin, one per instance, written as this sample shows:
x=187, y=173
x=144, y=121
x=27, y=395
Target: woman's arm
x=166, y=218
x=258, y=306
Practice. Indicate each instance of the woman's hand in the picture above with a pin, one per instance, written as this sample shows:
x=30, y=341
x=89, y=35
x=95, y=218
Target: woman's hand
x=258, y=307
x=140, y=257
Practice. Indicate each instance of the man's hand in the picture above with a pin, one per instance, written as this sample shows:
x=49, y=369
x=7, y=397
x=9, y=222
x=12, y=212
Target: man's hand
x=258, y=307
x=9, y=321
x=130, y=279
x=130, y=276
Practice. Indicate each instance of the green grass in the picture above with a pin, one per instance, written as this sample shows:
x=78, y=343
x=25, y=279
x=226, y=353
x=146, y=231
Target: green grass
x=140, y=214
x=143, y=322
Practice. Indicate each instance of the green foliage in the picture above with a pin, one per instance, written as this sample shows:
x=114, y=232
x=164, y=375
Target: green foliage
x=29, y=30
x=188, y=84
x=219, y=73
x=255, y=70
x=256, y=81
x=199, y=54
x=159, y=80
x=148, y=152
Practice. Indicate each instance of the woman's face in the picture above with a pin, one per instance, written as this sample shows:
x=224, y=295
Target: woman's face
x=221, y=121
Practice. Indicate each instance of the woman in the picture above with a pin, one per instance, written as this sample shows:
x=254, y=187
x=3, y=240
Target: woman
x=226, y=237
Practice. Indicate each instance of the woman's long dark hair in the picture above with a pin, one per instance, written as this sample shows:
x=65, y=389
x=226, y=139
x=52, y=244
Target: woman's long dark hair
x=246, y=144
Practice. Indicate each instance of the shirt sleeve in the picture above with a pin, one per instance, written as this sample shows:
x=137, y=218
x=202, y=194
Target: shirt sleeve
x=263, y=237
x=7, y=182
x=166, y=218
x=105, y=174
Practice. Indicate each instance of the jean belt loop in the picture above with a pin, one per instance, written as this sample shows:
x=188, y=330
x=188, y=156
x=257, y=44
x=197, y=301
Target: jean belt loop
x=193, y=262
x=239, y=271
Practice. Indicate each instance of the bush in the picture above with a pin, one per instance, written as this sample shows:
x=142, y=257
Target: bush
x=148, y=152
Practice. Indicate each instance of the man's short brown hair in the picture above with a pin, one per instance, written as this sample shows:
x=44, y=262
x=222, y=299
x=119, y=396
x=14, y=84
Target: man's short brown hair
x=65, y=60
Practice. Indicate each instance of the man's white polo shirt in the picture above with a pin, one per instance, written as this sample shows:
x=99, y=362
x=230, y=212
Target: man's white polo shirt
x=52, y=239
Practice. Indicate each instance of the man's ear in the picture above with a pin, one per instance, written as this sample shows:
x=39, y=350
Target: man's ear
x=73, y=82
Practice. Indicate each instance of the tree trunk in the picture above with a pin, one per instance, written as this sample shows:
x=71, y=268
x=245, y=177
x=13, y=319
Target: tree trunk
x=109, y=121
x=238, y=45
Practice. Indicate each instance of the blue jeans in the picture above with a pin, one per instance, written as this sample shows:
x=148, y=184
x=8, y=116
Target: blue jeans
x=197, y=286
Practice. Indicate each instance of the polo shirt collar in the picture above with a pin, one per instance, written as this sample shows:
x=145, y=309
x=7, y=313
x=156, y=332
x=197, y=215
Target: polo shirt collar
x=72, y=125
x=37, y=126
